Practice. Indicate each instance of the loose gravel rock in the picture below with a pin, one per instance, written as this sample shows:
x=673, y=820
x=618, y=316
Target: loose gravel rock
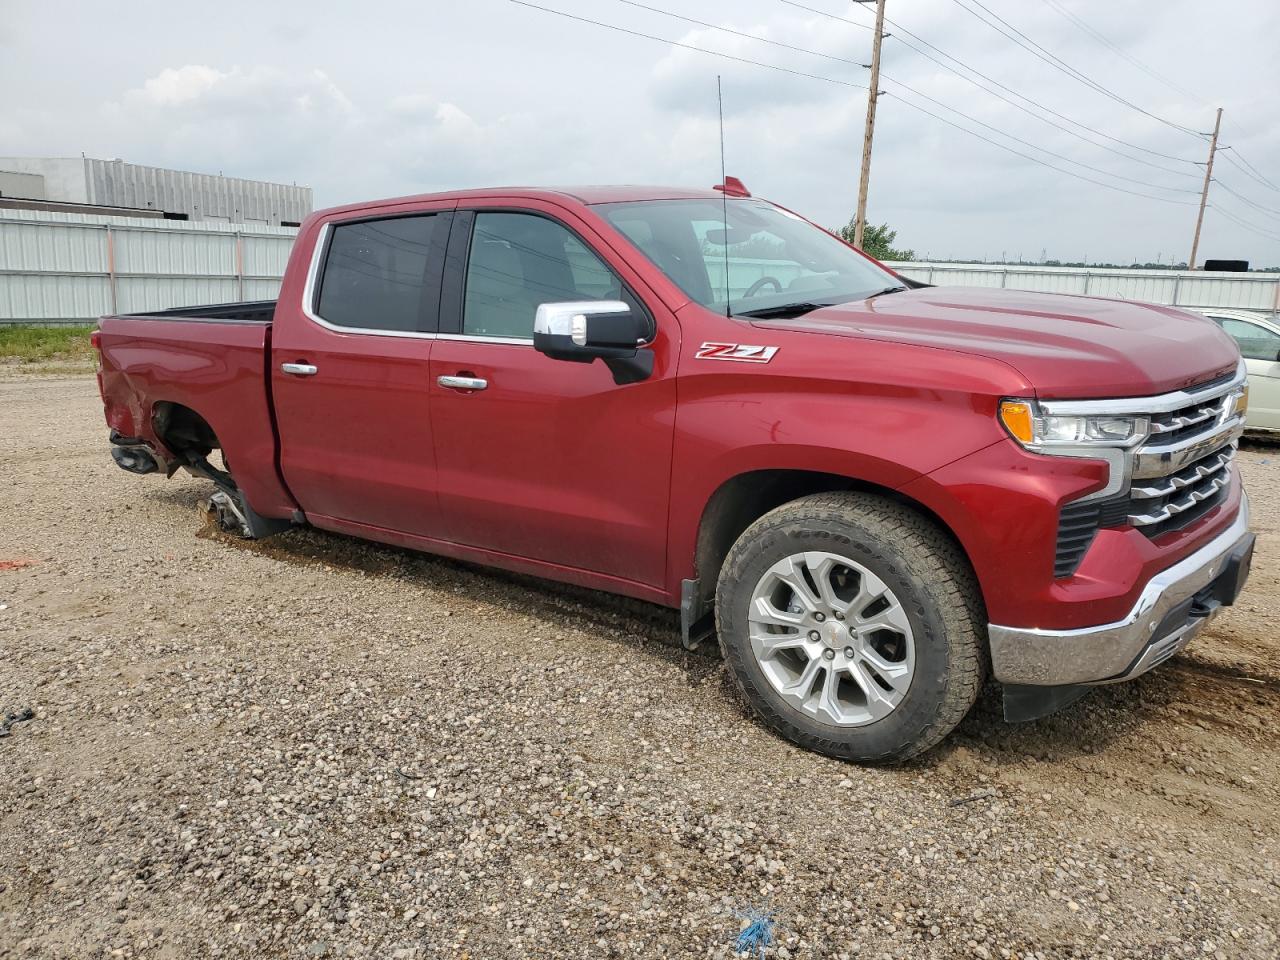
x=315, y=747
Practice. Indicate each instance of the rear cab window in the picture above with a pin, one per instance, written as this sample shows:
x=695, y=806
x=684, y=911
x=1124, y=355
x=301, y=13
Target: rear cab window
x=375, y=274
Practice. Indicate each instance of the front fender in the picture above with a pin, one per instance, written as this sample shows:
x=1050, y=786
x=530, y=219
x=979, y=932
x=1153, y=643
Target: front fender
x=878, y=414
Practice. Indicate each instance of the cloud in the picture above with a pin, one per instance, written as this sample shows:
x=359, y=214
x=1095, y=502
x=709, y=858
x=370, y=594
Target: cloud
x=437, y=96
x=175, y=86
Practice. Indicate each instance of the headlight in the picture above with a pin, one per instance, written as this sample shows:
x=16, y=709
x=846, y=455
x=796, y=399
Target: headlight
x=1041, y=432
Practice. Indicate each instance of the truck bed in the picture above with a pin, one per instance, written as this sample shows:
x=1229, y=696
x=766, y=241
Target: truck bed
x=247, y=311
x=212, y=360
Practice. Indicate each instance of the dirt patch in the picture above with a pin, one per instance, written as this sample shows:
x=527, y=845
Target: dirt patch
x=315, y=747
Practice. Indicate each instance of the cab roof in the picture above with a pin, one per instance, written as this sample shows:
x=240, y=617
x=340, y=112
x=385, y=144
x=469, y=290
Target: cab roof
x=580, y=194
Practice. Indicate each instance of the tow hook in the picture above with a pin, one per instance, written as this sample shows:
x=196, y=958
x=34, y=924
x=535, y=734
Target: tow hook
x=228, y=514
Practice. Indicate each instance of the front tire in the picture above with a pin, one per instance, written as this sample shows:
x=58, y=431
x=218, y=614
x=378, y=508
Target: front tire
x=853, y=626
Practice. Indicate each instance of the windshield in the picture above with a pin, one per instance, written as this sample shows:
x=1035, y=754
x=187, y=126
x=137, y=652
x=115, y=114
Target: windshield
x=765, y=260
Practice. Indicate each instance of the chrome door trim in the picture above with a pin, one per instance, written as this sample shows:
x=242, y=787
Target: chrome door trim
x=299, y=369
x=463, y=383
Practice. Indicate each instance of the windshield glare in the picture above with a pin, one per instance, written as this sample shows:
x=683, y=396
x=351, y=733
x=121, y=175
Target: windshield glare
x=769, y=258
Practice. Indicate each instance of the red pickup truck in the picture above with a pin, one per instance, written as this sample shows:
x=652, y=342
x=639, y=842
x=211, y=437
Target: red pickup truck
x=875, y=493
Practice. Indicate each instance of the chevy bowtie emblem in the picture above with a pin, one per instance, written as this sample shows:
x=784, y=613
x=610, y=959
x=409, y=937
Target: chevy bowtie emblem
x=742, y=352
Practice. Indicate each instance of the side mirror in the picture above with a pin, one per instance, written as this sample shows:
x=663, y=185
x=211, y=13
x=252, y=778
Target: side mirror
x=582, y=331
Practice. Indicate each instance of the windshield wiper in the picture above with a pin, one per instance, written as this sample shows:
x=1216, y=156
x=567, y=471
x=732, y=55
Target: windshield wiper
x=881, y=293
x=782, y=311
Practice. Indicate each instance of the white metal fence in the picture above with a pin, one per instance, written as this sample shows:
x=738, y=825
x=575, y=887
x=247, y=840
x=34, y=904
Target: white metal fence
x=1192, y=289
x=72, y=268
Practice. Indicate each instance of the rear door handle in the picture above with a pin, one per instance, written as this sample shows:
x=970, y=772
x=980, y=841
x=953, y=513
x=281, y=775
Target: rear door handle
x=299, y=369
x=463, y=383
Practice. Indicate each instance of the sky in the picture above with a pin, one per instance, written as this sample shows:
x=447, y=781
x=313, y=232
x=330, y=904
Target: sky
x=379, y=99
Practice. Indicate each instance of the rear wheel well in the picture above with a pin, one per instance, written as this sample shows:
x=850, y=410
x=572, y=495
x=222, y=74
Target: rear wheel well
x=742, y=500
x=183, y=430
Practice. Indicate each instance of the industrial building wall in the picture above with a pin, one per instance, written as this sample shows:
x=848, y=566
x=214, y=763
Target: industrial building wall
x=72, y=268
x=15, y=183
x=200, y=196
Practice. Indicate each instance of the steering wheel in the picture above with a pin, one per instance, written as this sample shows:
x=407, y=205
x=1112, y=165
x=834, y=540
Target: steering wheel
x=755, y=287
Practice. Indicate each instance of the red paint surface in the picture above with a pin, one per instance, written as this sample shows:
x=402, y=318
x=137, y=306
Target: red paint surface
x=556, y=470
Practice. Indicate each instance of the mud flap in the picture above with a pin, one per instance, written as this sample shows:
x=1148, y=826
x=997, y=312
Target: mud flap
x=1024, y=702
x=697, y=620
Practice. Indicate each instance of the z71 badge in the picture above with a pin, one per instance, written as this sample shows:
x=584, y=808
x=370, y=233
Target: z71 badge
x=742, y=352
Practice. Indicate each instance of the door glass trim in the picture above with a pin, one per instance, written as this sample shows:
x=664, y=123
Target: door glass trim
x=433, y=275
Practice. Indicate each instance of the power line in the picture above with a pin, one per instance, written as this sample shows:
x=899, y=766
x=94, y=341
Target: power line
x=1084, y=26
x=739, y=33
x=1011, y=32
x=1238, y=162
x=912, y=90
x=1019, y=153
x=995, y=143
x=1033, y=146
x=1253, y=228
x=1254, y=170
x=901, y=30
x=1240, y=196
x=688, y=46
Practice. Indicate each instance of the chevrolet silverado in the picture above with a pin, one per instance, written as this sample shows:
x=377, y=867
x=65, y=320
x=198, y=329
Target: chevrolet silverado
x=875, y=494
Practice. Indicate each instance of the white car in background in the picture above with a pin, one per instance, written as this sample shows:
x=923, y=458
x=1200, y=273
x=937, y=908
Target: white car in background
x=1259, y=341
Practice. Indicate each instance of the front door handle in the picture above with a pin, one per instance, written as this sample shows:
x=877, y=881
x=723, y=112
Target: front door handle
x=299, y=369
x=463, y=383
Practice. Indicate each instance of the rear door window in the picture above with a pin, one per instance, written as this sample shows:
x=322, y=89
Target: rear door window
x=375, y=274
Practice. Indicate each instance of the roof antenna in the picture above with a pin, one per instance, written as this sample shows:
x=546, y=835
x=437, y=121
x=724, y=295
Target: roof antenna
x=724, y=200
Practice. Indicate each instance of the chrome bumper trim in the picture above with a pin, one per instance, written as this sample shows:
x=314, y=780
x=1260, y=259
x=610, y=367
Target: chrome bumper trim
x=1104, y=653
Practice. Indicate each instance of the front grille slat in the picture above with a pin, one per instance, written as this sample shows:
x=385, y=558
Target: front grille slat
x=1184, y=478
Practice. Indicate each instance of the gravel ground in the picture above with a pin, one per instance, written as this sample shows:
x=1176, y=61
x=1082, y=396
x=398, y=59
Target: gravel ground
x=315, y=747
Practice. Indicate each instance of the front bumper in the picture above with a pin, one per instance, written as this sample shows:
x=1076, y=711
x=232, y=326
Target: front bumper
x=1171, y=610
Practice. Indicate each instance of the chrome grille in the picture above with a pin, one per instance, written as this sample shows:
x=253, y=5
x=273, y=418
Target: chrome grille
x=1183, y=469
x=1197, y=486
x=1180, y=471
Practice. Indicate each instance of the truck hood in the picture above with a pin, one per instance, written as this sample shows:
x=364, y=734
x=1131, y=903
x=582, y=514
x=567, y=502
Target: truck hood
x=1065, y=346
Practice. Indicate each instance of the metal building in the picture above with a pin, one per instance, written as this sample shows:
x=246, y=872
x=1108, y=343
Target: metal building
x=87, y=185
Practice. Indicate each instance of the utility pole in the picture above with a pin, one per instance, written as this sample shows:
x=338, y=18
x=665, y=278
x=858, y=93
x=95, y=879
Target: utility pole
x=1204, y=194
x=860, y=221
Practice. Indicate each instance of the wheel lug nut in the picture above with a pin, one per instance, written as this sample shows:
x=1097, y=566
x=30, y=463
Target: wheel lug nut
x=848, y=652
x=829, y=654
x=814, y=635
x=839, y=616
x=819, y=617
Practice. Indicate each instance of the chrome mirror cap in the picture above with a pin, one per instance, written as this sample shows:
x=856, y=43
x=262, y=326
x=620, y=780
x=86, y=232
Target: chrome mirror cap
x=569, y=319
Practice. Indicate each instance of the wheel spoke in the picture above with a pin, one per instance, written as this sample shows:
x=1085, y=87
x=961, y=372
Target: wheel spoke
x=892, y=618
x=767, y=645
x=792, y=574
x=763, y=611
x=878, y=702
x=897, y=675
x=798, y=692
x=829, y=700
x=821, y=566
